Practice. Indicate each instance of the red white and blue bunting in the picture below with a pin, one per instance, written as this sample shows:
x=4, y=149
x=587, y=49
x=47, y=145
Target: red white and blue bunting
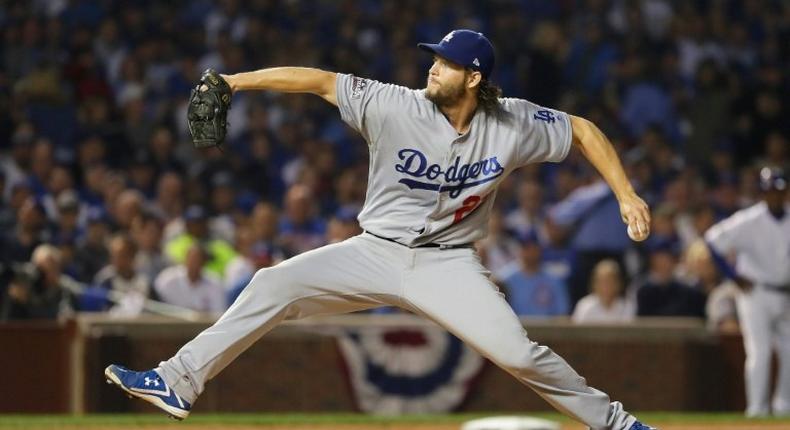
x=413, y=370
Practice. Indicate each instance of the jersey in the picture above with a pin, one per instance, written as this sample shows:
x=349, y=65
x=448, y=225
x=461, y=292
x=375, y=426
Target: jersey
x=760, y=242
x=429, y=184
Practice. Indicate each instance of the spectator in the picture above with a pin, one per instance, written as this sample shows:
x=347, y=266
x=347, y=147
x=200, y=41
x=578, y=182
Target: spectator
x=92, y=255
x=777, y=152
x=147, y=234
x=131, y=287
x=114, y=185
x=16, y=164
x=605, y=303
x=20, y=193
x=128, y=205
x=697, y=268
x=530, y=290
x=350, y=187
x=31, y=230
x=257, y=171
x=300, y=229
x=161, y=146
x=558, y=258
x=68, y=206
x=259, y=255
x=243, y=265
x=499, y=249
x=264, y=222
x=661, y=294
x=343, y=225
x=42, y=161
x=196, y=231
x=722, y=293
x=529, y=213
x=191, y=285
x=38, y=290
x=695, y=44
x=665, y=162
x=93, y=150
x=586, y=216
x=94, y=177
x=223, y=200
x=545, y=64
x=708, y=112
x=678, y=196
x=7, y=216
x=169, y=202
x=142, y=174
x=591, y=57
x=645, y=101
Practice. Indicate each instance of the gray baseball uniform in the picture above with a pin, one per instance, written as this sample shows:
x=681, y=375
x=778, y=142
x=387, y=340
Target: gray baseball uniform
x=427, y=185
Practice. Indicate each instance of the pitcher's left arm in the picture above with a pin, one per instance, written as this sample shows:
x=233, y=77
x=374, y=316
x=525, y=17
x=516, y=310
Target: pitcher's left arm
x=589, y=139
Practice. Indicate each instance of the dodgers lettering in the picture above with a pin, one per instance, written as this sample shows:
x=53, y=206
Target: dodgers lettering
x=456, y=177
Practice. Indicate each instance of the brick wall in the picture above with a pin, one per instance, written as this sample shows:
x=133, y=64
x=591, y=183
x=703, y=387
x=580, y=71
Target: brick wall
x=654, y=365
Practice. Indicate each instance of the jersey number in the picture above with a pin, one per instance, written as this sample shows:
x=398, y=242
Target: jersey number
x=470, y=203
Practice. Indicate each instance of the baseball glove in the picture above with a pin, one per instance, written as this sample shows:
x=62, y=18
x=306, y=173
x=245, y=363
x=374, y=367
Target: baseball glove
x=207, y=114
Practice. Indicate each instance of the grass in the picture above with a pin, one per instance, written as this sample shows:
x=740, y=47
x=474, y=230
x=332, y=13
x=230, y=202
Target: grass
x=86, y=421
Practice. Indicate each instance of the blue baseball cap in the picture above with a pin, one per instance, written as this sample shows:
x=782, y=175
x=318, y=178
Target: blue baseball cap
x=467, y=48
x=772, y=179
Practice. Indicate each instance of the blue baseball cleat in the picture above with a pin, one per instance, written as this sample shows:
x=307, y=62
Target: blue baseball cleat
x=639, y=426
x=150, y=387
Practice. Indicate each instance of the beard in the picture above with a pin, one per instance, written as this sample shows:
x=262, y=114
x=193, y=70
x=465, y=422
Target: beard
x=445, y=94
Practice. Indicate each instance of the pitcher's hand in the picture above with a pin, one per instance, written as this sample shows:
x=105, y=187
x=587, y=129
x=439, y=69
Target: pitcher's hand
x=636, y=215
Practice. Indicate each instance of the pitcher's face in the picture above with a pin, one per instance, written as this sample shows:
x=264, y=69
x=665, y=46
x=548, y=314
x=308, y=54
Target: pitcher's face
x=446, y=82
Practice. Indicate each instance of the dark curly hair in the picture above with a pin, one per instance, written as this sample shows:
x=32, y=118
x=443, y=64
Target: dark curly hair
x=488, y=95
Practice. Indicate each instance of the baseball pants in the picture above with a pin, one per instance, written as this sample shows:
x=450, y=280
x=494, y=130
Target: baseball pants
x=765, y=322
x=449, y=286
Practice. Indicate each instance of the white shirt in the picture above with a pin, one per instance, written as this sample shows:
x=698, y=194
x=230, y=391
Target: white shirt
x=130, y=294
x=760, y=241
x=205, y=295
x=590, y=309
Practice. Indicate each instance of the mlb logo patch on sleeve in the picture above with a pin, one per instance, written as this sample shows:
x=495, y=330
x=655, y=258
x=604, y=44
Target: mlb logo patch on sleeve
x=358, y=87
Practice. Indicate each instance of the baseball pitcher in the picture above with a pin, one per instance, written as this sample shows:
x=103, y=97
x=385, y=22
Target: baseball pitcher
x=437, y=156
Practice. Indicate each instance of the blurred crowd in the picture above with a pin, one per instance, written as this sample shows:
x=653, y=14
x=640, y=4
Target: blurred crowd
x=105, y=204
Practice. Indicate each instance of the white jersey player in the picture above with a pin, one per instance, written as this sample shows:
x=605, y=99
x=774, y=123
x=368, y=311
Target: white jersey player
x=437, y=156
x=759, y=238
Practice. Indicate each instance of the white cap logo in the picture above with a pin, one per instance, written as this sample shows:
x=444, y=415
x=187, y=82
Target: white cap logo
x=476, y=62
x=449, y=36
